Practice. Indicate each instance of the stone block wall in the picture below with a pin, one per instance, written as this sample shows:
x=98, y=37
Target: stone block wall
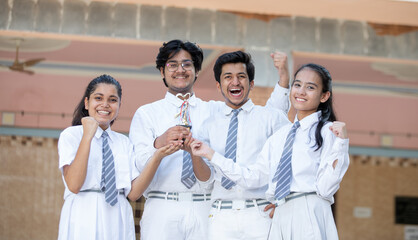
x=31, y=192
x=373, y=182
x=31, y=188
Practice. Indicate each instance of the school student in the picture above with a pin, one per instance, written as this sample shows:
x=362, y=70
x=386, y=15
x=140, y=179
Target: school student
x=177, y=205
x=308, y=160
x=98, y=168
x=236, y=135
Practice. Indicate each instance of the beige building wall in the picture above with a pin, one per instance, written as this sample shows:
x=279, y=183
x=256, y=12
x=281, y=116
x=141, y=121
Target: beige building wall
x=373, y=182
x=31, y=192
x=31, y=188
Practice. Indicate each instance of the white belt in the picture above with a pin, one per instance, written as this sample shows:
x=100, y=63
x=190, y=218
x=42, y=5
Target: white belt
x=120, y=191
x=179, y=196
x=292, y=196
x=239, y=204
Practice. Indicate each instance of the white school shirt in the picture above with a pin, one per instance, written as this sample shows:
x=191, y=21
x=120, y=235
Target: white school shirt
x=255, y=125
x=152, y=120
x=312, y=170
x=122, y=151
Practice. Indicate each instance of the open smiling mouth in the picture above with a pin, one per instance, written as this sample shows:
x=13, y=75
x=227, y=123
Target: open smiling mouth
x=181, y=77
x=300, y=99
x=235, y=92
x=103, y=112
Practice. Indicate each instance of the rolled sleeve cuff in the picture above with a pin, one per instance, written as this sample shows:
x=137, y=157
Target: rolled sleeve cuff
x=141, y=160
x=340, y=152
x=340, y=145
x=207, y=182
x=218, y=160
x=281, y=90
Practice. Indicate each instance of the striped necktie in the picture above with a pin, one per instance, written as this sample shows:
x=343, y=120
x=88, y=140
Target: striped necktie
x=231, y=146
x=187, y=175
x=283, y=175
x=108, y=173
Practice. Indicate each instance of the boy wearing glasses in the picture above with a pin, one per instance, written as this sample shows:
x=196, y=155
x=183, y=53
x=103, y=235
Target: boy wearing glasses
x=177, y=205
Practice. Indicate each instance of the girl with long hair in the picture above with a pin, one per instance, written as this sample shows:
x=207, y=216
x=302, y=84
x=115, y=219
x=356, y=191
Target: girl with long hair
x=98, y=168
x=308, y=160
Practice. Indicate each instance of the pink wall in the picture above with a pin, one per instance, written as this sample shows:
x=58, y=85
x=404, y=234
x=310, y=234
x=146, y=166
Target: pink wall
x=372, y=100
x=365, y=97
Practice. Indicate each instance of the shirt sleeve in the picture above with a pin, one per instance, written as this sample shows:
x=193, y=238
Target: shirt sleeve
x=251, y=177
x=255, y=175
x=278, y=119
x=142, y=135
x=203, y=136
x=134, y=170
x=279, y=99
x=208, y=184
x=266, y=155
x=67, y=148
x=134, y=173
x=328, y=178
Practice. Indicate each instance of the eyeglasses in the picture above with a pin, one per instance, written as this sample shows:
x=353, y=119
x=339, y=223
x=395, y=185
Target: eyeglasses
x=186, y=65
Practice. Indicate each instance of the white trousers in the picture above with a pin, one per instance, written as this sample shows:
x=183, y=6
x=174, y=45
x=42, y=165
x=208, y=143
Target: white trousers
x=249, y=223
x=304, y=218
x=174, y=220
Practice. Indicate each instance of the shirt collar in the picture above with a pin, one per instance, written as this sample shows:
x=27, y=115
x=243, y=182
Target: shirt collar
x=100, y=131
x=309, y=120
x=177, y=101
x=246, y=107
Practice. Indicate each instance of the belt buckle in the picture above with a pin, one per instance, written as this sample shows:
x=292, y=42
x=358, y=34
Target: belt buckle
x=185, y=196
x=238, y=204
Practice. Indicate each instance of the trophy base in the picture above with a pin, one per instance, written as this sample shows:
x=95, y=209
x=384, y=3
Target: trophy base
x=186, y=126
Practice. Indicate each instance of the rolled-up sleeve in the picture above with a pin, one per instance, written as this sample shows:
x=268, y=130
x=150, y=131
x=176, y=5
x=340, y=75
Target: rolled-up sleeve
x=142, y=136
x=279, y=99
x=328, y=177
x=251, y=177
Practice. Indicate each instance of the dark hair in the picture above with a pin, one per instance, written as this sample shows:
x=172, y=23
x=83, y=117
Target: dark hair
x=80, y=111
x=234, y=57
x=327, y=111
x=171, y=48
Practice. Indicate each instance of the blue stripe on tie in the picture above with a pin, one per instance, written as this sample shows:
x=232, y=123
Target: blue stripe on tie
x=187, y=175
x=283, y=174
x=107, y=154
x=231, y=146
x=108, y=173
x=187, y=168
x=227, y=183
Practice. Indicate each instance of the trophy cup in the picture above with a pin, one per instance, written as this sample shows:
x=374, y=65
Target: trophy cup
x=184, y=112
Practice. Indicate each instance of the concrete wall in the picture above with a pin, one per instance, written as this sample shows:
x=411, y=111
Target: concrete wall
x=207, y=27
